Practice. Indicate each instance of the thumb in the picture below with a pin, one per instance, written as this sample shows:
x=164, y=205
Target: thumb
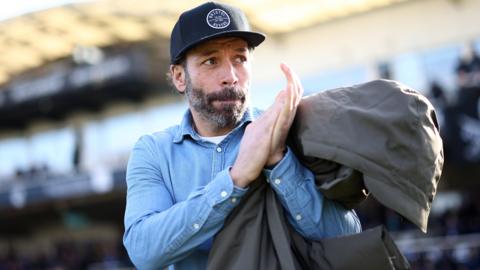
x=281, y=97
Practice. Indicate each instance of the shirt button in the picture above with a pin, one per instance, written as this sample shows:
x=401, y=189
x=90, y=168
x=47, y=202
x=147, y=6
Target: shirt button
x=196, y=226
x=277, y=181
x=219, y=149
x=223, y=194
x=234, y=200
x=298, y=217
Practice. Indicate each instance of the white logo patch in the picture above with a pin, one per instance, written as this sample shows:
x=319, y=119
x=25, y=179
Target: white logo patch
x=218, y=19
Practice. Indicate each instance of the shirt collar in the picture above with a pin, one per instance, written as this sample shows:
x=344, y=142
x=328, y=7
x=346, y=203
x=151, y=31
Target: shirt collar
x=186, y=126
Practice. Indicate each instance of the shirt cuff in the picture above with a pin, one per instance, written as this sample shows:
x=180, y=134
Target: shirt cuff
x=287, y=175
x=222, y=194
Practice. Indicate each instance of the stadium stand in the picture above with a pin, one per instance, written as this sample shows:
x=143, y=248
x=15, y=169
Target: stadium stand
x=72, y=103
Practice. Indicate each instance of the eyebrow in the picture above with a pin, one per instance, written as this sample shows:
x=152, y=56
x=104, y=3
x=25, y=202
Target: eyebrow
x=207, y=53
x=242, y=49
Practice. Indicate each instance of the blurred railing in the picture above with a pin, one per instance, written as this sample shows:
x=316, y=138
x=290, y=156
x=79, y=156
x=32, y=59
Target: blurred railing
x=439, y=243
x=19, y=193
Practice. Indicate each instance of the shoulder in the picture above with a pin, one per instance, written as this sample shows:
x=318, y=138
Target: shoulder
x=159, y=139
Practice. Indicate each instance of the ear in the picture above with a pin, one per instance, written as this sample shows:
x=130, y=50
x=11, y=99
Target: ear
x=178, y=77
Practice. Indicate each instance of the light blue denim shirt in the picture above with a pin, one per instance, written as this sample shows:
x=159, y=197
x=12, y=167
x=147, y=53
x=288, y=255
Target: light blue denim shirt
x=180, y=192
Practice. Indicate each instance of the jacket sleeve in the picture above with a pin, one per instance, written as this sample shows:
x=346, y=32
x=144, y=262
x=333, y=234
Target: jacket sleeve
x=309, y=212
x=159, y=231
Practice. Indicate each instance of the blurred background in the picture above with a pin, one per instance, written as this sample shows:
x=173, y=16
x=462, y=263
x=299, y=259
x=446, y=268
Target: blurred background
x=81, y=81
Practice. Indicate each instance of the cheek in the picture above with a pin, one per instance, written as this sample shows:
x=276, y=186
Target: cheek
x=198, y=81
x=244, y=76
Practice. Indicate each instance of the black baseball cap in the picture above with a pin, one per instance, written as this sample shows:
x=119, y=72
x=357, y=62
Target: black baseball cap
x=207, y=21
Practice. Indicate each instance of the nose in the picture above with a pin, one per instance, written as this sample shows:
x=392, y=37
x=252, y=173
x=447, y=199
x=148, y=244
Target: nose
x=228, y=75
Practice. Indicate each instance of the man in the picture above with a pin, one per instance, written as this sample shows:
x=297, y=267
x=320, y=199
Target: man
x=184, y=181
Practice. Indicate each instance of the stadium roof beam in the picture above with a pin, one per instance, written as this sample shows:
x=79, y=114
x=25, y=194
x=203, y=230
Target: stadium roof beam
x=34, y=39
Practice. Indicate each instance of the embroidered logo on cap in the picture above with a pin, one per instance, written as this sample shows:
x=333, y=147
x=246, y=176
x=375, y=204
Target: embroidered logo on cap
x=218, y=19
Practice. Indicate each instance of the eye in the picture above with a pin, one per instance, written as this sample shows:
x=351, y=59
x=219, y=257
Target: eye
x=241, y=59
x=210, y=61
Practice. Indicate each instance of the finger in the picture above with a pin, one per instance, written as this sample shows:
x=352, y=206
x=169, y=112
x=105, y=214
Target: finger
x=270, y=116
x=299, y=89
x=290, y=85
x=279, y=100
x=281, y=97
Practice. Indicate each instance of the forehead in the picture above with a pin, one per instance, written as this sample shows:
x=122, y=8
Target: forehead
x=234, y=43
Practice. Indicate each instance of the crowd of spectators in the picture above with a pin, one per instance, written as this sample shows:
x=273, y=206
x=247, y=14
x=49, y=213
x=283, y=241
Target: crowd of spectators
x=70, y=255
x=463, y=220
x=32, y=173
x=457, y=221
x=459, y=119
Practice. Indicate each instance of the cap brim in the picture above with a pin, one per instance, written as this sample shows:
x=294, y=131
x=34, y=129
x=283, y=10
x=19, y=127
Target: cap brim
x=252, y=38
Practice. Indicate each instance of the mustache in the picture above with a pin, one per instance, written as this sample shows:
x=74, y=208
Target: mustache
x=227, y=93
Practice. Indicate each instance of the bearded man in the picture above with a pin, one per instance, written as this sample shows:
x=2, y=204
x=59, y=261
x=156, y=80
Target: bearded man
x=184, y=181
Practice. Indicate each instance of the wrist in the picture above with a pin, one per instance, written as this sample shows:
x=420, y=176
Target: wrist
x=276, y=157
x=238, y=178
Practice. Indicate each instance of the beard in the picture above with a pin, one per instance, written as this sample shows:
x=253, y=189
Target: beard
x=228, y=114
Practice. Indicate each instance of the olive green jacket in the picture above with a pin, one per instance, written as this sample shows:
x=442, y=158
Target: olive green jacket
x=378, y=137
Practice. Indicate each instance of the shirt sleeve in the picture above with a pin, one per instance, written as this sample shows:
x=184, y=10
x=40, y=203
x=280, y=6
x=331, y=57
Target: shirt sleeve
x=158, y=231
x=309, y=212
